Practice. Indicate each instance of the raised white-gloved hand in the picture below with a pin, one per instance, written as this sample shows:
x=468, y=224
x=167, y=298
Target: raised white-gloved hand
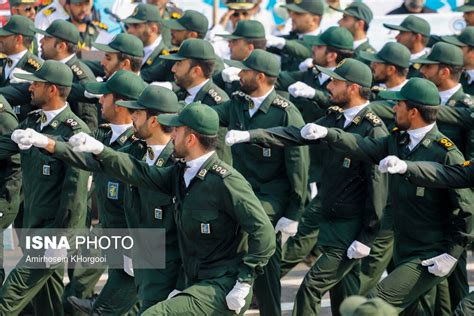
x=33, y=138
x=14, y=79
x=230, y=74
x=236, y=297
x=54, y=256
x=313, y=131
x=392, y=165
x=17, y=135
x=234, y=137
x=306, y=64
x=357, y=250
x=173, y=293
x=128, y=265
x=82, y=142
x=164, y=84
x=275, y=41
x=440, y=265
x=301, y=90
x=287, y=226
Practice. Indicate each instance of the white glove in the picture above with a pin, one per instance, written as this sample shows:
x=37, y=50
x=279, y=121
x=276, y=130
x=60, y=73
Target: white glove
x=14, y=79
x=173, y=293
x=17, y=135
x=128, y=265
x=275, y=41
x=301, y=90
x=313, y=131
x=440, y=265
x=234, y=137
x=55, y=256
x=32, y=138
x=306, y=64
x=165, y=84
x=236, y=297
x=230, y=74
x=357, y=250
x=81, y=142
x=287, y=226
x=392, y=165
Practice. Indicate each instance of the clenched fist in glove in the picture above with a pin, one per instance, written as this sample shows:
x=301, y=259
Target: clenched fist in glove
x=357, y=250
x=392, y=165
x=301, y=90
x=234, y=137
x=29, y=137
x=440, y=265
x=287, y=226
x=236, y=298
x=313, y=131
x=82, y=142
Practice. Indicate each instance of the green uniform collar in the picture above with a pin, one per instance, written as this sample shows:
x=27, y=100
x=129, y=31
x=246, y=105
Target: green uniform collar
x=267, y=103
x=204, y=90
x=207, y=166
x=63, y=116
x=122, y=139
x=165, y=155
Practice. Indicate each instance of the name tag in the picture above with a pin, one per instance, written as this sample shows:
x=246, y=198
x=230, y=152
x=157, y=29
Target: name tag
x=267, y=152
x=346, y=163
x=46, y=170
x=205, y=228
x=420, y=191
x=112, y=190
x=158, y=213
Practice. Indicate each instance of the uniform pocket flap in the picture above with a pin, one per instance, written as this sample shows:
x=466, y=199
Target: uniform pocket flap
x=205, y=216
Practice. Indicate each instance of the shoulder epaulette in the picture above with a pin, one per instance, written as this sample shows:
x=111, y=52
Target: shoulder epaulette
x=220, y=170
x=446, y=143
x=215, y=95
x=175, y=11
x=100, y=25
x=416, y=66
x=169, y=51
x=334, y=109
x=77, y=70
x=374, y=119
x=33, y=62
x=281, y=103
x=72, y=123
x=466, y=163
x=49, y=11
x=467, y=100
x=105, y=126
x=239, y=94
x=395, y=130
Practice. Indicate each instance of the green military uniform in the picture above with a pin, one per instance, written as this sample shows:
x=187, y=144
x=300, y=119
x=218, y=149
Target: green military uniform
x=418, y=212
x=295, y=49
x=214, y=215
x=91, y=33
x=278, y=175
x=55, y=197
x=10, y=175
x=171, y=12
x=364, y=47
x=415, y=25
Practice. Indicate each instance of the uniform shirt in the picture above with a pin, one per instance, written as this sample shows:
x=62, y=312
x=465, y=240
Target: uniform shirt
x=50, y=115
x=419, y=54
x=322, y=77
x=417, y=135
x=399, y=87
x=257, y=102
x=470, y=72
x=360, y=42
x=315, y=32
x=194, y=91
x=148, y=50
x=193, y=167
x=157, y=150
x=118, y=130
x=447, y=94
x=68, y=58
x=15, y=59
x=349, y=114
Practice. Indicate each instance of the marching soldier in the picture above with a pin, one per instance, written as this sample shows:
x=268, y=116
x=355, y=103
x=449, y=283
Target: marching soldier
x=192, y=69
x=55, y=193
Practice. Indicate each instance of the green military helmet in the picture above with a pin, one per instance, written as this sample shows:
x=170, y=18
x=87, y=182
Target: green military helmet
x=199, y=117
x=122, y=43
x=392, y=53
x=466, y=38
x=246, y=29
x=315, y=7
x=63, y=30
x=358, y=10
x=18, y=24
x=52, y=71
x=417, y=90
x=351, y=70
x=443, y=53
x=412, y=24
x=193, y=48
x=335, y=36
x=190, y=21
x=258, y=60
x=123, y=82
x=143, y=13
x=467, y=7
x=154, y=98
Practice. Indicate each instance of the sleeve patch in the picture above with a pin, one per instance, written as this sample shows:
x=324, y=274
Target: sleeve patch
x=32, y=62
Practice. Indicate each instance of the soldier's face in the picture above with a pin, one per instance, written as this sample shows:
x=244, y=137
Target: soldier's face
x=319, y=55
x=248, y=81
x=7, y=44
x=178, y=36
x=339, y=91
x=182, y=73
x=239, y=15
x=27, y=10
x=468, y=56
x=141, y=124
x=432, y=73
x=180, y=137
x=39, y=93
x=239, y=49
x=110, y=63
x=48, y=48
x=379, y=71
x=300, y=21
x=79, y=12
x=107, y=106
x=469, y=18
x=406, y=39
x=140, y=30
x=402, y=115
x=348, y=22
